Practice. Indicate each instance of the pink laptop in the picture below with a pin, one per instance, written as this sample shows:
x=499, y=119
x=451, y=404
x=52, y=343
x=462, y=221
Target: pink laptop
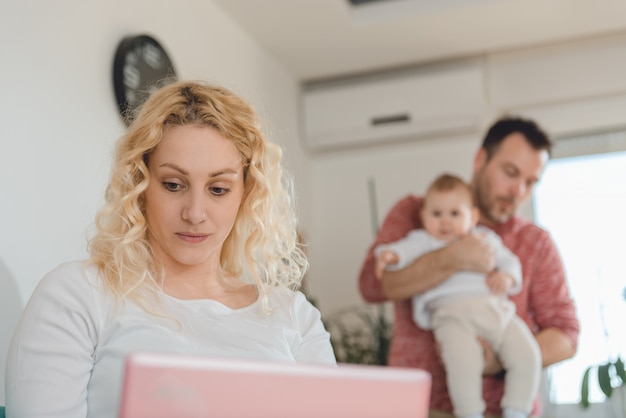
x=172, y=386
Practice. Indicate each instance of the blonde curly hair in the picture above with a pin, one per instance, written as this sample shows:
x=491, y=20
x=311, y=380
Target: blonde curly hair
x=263, y=242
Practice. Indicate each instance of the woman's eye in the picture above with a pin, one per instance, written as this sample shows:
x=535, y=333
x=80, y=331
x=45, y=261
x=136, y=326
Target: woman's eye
x=171, y=186
x=219, y=191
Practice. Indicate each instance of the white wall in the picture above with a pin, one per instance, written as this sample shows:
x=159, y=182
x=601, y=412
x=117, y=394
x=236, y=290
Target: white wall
x=59, y=120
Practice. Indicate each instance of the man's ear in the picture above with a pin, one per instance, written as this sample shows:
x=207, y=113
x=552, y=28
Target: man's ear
x=480, y=159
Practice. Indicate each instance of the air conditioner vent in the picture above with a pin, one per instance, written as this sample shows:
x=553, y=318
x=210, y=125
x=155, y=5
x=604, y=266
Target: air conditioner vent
x=357, y=3
x=408, y=105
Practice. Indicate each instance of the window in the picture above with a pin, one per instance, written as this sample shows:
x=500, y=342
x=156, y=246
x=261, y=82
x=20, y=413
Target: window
x=581, y=201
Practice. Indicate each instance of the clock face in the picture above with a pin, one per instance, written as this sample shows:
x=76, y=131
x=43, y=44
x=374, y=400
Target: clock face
x=141, y=66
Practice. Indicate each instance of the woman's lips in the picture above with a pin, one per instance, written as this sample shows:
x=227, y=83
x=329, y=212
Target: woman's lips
x=191, y=237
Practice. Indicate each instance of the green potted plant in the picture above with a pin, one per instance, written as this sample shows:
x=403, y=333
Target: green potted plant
x=612, y=381
x=611, y=378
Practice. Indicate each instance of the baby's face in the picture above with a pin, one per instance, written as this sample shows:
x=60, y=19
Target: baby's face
x=448, y=215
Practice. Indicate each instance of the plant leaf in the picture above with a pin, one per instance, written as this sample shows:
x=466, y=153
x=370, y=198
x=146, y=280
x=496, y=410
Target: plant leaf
x=604, y=379
x=584, y=389
x=620, y=369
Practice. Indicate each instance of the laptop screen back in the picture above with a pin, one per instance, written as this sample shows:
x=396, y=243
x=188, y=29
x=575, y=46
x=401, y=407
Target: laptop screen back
x=167, y=386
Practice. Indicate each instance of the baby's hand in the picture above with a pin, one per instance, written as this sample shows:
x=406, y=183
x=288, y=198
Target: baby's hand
x=383, y=260
x=499, y=283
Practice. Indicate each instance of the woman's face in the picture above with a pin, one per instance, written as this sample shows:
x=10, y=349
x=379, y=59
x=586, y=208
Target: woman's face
x=196, y=187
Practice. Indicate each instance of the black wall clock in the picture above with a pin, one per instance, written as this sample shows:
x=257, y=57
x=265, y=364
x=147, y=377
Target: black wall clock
x=141, y=66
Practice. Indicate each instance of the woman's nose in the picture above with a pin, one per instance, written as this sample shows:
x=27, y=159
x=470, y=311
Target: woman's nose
x=194, y=211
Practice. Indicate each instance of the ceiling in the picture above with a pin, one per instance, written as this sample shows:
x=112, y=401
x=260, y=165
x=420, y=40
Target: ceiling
x=325, y=39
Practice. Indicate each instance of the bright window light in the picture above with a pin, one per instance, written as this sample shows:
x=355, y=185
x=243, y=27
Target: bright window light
x=581, y=201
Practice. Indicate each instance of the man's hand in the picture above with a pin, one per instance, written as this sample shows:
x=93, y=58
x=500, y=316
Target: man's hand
x=383, y=260
x=499, y=283
x=472, y=253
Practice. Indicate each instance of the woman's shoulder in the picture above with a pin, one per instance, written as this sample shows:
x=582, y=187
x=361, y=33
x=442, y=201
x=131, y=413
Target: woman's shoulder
x=74, y=278
x=292, y=307
x=289, y=300
x=283, y=295
x=70, y=291
x=72, y=272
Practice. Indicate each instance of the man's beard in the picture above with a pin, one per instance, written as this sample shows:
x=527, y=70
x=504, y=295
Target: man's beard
x=491, y=207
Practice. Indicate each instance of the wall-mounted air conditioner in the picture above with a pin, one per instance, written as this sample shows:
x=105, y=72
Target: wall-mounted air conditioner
x=396, y=106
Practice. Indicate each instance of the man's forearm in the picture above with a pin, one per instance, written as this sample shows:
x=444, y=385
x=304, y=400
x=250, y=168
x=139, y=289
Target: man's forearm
x=423, y=274
x=555, y=346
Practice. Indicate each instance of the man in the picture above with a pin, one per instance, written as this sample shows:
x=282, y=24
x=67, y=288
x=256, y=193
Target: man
x=509, y=162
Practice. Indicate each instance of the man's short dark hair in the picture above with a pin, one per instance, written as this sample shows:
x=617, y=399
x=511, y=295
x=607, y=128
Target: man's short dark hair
x=507, y=125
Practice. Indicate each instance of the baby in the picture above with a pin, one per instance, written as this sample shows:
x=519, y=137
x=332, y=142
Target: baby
x=468, y=305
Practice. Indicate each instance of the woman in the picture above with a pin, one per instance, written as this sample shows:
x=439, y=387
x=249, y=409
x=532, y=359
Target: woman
x=195, y=252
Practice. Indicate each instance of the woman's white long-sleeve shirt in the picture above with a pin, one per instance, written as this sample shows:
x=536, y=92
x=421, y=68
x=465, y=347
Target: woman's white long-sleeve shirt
x=67, y=354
